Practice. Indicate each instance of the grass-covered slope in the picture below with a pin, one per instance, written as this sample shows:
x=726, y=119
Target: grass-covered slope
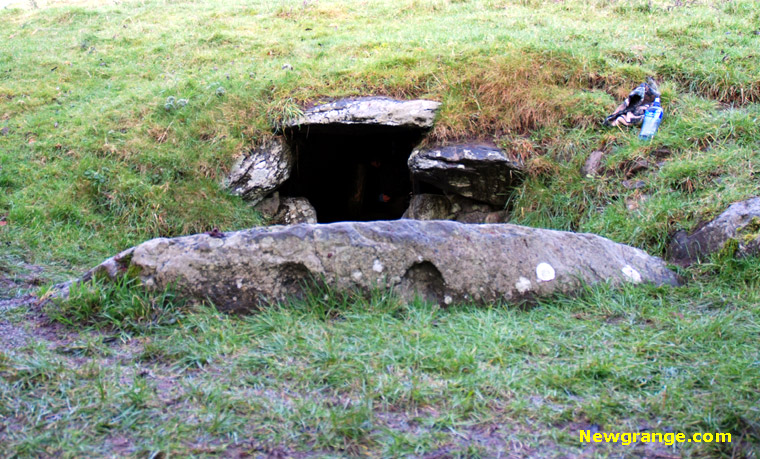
x=93, y=162
x=93, y=159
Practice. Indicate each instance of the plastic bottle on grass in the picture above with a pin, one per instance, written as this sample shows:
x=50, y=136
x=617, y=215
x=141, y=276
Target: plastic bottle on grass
x=652, y=119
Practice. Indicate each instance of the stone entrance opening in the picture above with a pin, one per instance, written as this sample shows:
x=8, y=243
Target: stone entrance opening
x=357, y=160
x=352, y=172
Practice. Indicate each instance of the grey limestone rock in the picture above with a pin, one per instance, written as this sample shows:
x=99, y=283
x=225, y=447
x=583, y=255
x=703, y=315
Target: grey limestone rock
x=379, y=111
x=428, y=207
x=261, y=171
x=593, y=165
x=739, y=223
x=295, y=210
x=479, y=172
x=442, y=261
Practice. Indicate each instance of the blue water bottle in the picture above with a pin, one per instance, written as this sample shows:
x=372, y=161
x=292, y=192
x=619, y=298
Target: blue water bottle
x=652, y=119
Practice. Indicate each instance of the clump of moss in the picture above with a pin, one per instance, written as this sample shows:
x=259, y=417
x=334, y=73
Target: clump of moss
x=751, y=231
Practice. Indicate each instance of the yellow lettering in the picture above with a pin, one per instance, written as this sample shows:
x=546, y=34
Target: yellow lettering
x=635, y=437
x=670, y=438
x=657, y=435
x=611, y=437
x=626, y=437
x=680, y=437
x=706, y=439
x=585, y=436
x=598, y=437
x=646, y=437
x=694, y=437
x=723, y=438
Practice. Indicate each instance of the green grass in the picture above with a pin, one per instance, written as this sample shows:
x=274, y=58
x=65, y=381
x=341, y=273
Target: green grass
x=99, y=155
x=333, y=376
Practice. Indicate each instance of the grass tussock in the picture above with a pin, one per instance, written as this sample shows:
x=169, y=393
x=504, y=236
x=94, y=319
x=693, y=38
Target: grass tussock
x=118, y=305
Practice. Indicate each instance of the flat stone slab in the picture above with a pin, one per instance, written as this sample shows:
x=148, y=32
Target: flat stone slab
x=441, y=261
x=377, y=111
x=479, y=172
x=739, y=223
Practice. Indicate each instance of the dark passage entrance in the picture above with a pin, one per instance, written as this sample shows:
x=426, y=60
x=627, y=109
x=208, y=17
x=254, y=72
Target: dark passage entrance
x=352, y=172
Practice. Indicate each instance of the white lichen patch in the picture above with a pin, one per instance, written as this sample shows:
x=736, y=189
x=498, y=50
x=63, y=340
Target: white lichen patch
x=631, y=274
x=523, y=284
x=357, y=275
x=377, y=266
x=545, y=272
x=215, y=243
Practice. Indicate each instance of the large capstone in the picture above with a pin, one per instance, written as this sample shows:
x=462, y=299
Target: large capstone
x=479, y=172
x=442, y=261
x=373, y=111
x=261, y=171
x=739, y=225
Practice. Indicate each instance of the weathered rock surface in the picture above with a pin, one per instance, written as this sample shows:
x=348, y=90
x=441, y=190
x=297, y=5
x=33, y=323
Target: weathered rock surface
x=379, y=111
x=457, y=208
x=462, y=205
x=295, y=210
x=442, y=261
x=428, y=207
x=286, y=211
x=740, y=223
x=261, y=171
x=269, y=206
x=500, y=216
x=593, y=165
x=478, y=172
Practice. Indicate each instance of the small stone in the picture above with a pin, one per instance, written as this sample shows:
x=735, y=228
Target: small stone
x=593, y=164
x=295, y=210
x=634, y=184
x=270, y=205
x=4, y=131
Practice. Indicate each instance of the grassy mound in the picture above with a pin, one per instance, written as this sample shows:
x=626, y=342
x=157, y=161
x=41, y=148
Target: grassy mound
x=118, y=122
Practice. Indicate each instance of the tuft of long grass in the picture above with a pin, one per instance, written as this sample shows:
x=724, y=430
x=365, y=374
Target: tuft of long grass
x=119, y=305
